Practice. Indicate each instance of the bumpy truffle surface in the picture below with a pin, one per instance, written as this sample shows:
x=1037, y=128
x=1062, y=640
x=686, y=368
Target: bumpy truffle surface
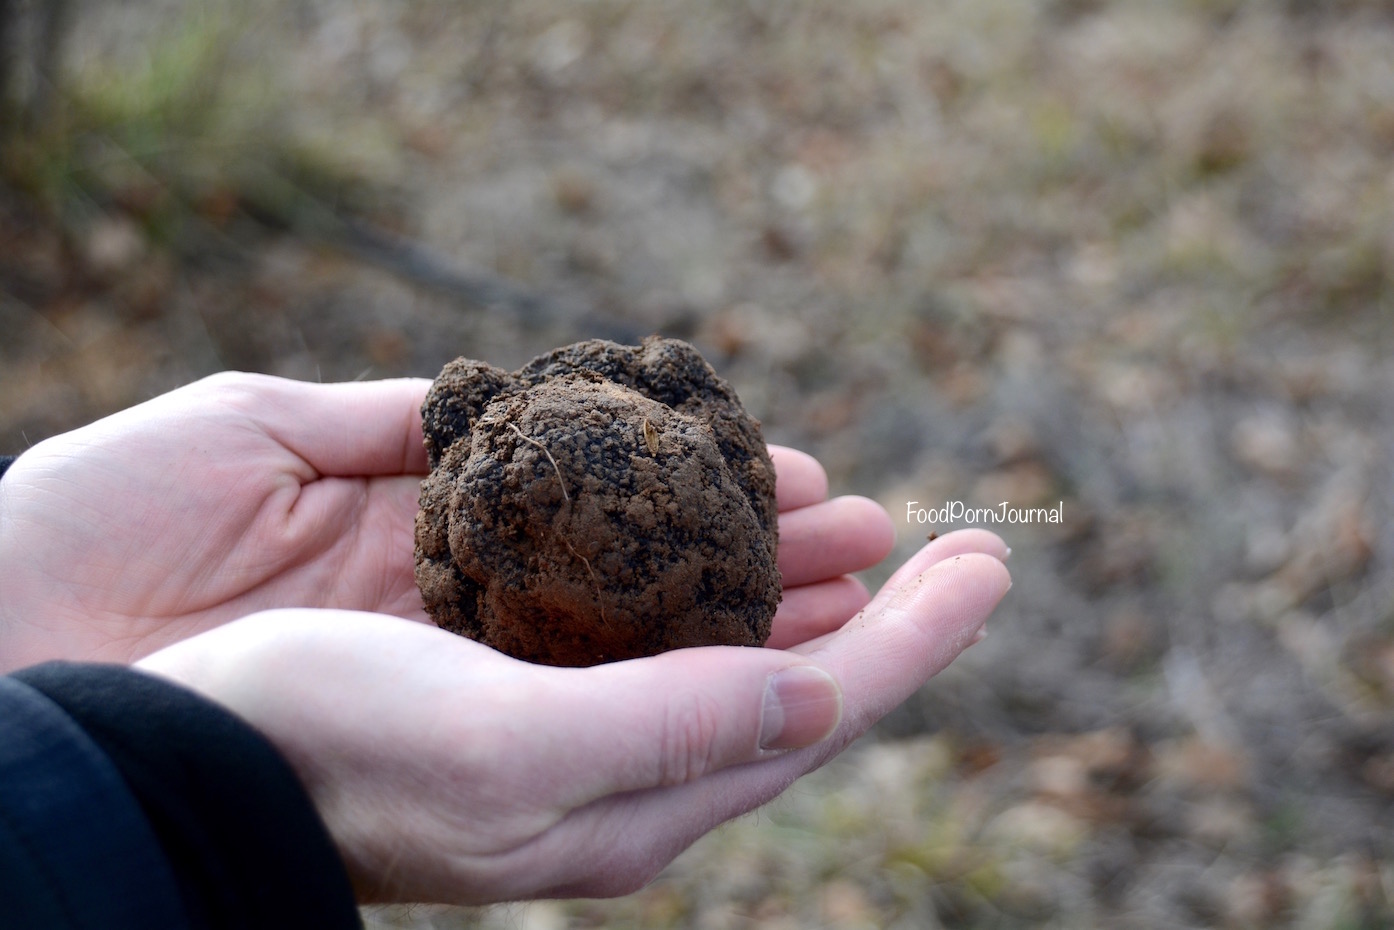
x=603, y=502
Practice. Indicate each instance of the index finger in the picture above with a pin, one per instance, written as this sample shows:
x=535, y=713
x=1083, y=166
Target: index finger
x=346, y=430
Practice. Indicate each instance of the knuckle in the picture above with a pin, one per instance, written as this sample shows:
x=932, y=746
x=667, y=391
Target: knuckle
x=689, y=739
x=629, y=865
x=609, y=876
x=237, y=390
x=623, y=879
x=229, y=381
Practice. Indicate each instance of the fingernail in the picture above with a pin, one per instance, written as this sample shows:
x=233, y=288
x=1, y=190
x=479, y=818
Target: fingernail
x=1007, y=555
x=803, y=706
x=978, y=636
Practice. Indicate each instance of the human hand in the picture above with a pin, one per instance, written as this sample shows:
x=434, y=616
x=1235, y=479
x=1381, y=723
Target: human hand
x=241, y=493
x=448, y=772
x=230, y=495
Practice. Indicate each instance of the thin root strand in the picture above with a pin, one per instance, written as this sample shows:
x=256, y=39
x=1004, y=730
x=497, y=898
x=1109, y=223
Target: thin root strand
x=547, y=453
x=599, y=596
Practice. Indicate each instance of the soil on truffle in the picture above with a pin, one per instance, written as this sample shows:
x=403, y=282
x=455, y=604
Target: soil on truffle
x=603, y=502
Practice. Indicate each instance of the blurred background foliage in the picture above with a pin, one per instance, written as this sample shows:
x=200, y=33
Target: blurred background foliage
x=1129, y=256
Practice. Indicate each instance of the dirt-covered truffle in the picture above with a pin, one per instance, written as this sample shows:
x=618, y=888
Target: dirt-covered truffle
x=603, y=502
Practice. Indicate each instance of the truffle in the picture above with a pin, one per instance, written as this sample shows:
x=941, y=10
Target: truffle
x=603, y=502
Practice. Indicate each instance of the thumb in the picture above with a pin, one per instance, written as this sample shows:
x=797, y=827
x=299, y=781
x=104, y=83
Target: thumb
x=672, y=718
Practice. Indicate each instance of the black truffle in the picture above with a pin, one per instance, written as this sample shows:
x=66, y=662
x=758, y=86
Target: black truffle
x=601, y=503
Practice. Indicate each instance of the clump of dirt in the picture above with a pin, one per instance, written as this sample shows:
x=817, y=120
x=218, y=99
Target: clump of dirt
x=603, y=502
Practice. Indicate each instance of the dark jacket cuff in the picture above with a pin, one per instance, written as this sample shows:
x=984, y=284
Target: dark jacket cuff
x=75, y=848
x=241, y=836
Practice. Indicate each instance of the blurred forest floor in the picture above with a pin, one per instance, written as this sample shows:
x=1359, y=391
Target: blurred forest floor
x=1135, y=257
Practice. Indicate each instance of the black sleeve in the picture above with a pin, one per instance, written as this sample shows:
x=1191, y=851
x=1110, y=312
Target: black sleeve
x=75, y=849
x=5, y=462
x=124, y=797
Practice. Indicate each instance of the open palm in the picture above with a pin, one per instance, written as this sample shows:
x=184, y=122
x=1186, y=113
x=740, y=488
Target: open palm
x=243, y=492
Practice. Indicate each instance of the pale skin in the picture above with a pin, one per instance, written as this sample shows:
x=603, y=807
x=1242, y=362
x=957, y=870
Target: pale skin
x=444, y=770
